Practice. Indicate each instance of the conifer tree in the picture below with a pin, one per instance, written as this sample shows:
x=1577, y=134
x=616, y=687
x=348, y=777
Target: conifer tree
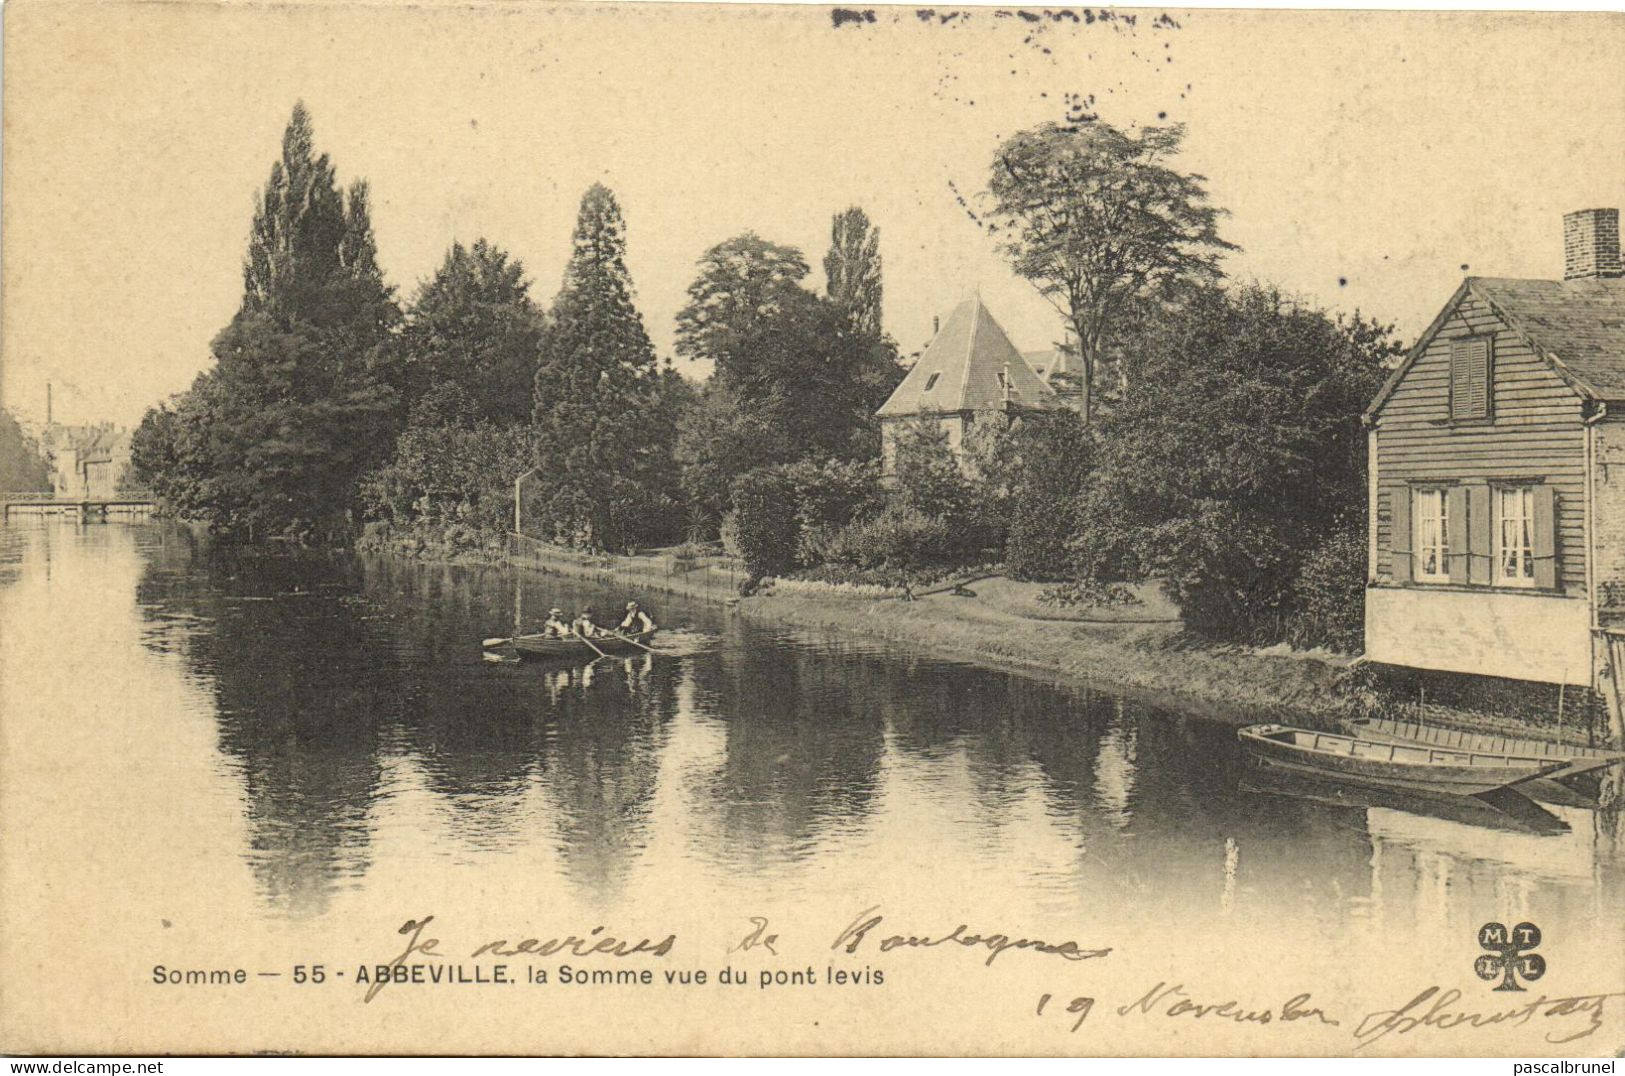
x=603, y=457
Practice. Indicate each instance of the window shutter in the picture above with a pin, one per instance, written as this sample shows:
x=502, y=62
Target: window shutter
x=1458, y=379
x=1544, y=537
x=1478, y=377
x=1399, y=532
x=1456, y=521
x=1480, y=534
x=1470, y=378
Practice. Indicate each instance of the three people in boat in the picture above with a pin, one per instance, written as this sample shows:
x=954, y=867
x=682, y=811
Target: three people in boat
x=636, y=622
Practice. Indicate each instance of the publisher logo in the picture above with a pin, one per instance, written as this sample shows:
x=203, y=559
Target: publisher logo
x=1510, y=957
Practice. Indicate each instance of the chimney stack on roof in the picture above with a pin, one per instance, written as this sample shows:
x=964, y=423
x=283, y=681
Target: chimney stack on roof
x=1591, y=244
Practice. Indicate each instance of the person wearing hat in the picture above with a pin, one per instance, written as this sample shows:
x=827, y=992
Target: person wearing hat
x=585, y=626
x=637, y=622
x=555, y=627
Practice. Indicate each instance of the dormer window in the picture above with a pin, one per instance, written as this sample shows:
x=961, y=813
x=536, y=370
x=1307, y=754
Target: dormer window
x=930, y=381
x=1470, y=379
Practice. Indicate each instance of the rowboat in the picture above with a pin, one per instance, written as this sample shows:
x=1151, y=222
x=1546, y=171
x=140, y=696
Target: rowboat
x=1550, y=788
x=1579, y=759
x=1391, y=764
x=573, y=647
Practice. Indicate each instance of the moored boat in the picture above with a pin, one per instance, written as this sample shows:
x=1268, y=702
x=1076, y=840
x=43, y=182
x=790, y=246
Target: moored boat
x=1577, y=759
x=575, y=648
x=1391, y=764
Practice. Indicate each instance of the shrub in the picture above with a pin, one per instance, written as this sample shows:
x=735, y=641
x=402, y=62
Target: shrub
x=1089, y=593
x=1330, y=592
x=764, y=523
x=1043, y=467
x=897, y=539
x=929, y=478
x=782, y=514
x=834, y=492
x=1230, y=573
x=449, y=474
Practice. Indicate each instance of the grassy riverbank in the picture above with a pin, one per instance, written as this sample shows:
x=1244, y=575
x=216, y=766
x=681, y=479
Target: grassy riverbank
x=1140, y=648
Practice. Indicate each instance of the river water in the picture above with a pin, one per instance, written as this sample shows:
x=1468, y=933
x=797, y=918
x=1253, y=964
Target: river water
x=267, y=758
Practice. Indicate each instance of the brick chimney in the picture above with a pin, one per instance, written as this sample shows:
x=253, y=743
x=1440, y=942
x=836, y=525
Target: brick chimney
x=1591, y=244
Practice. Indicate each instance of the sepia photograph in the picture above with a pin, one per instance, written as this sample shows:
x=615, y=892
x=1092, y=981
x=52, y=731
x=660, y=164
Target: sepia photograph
x=785, y=530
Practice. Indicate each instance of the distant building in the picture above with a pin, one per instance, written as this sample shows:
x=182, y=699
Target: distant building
x=970, y=375
x=1059, y=367
x=1497, y=478
x=88, y=462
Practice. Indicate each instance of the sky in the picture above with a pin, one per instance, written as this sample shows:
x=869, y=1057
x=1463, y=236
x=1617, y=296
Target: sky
x=1367, y=161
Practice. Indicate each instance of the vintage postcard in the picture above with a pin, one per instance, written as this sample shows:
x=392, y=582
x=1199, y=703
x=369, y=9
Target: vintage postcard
x=596, y=528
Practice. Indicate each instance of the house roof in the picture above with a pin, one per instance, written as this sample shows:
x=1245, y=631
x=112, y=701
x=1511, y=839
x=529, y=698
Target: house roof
x=1577, y=326
x=960, y=369
x=1040, y=361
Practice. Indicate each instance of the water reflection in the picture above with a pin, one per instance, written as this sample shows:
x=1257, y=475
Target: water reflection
x=365, y=736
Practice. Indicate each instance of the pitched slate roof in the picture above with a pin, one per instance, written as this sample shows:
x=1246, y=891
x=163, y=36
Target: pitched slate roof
x=1578, y=326
x=962, y=366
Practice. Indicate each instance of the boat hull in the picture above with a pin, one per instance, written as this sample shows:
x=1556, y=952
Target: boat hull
x=1577, y=759
x=544, y=648
x=1307, y=753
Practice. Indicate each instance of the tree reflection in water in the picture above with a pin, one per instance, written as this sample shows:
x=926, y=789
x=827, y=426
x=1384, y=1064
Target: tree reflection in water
x=343, y=684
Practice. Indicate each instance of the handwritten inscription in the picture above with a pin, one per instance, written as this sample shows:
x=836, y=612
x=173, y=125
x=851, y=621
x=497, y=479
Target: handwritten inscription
x=997, y=944
x=758, y=936
x=403, y=969
x=1435, y=1008
x=1172, y=1000
x=425, y=959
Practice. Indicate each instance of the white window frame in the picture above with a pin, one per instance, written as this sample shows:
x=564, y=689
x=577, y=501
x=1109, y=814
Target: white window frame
x=1431, y=534
x=1519, y=528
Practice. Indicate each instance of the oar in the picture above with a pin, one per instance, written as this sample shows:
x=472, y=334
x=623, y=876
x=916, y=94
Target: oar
x=634, y=642
x=588, y=641
x=491, y=644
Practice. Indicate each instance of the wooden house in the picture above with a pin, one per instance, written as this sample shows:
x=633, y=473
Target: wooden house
x=1497, y=518
x=970, y=375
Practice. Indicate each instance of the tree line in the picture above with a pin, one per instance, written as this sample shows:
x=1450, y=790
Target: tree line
x=1215, y=447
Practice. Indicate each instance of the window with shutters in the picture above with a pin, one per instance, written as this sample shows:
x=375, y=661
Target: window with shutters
x=1514, y=536
x=1432, y=540
x=1470, y=379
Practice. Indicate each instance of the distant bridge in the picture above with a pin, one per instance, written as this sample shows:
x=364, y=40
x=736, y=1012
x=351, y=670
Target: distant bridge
x=125, y=501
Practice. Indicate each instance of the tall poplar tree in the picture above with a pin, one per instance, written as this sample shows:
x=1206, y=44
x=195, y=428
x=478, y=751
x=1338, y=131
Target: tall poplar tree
x=603, y=449
x=277, y=434
x=852, y=269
